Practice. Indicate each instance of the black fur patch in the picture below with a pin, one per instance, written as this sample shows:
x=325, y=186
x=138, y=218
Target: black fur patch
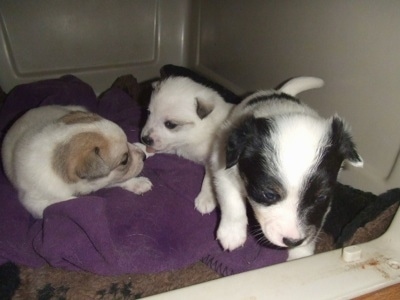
x=246, y=139
x=261, y=184
x=316, y=198
x=249, y=146
x=176, y=71
x=343, y=142
x=318, y=192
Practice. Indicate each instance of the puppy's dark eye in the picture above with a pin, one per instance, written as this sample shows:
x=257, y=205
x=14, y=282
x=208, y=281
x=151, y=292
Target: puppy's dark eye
x=125, y=159
x=271, y=196
x=321, y=198
x=170, y=125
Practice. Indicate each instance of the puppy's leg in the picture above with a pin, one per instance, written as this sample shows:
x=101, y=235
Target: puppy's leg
x=302, y=251
x=232, y=230
x=137, y=185
x=205, y=202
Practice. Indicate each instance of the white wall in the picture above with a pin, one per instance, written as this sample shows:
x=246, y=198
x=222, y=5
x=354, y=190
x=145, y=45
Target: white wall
x=353, y=45
x=247, y=45
x=94, y=40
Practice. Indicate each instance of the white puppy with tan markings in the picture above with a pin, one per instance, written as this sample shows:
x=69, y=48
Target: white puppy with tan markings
x=183, y=119
x=55, y=153
x=284, y=158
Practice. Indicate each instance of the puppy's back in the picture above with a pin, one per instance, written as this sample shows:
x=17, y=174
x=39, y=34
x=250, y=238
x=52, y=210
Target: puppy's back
x=27, y=126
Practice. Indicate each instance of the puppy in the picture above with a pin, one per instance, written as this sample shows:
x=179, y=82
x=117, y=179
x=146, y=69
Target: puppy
x=285, y=159
x=183, y=119
x=55, y=153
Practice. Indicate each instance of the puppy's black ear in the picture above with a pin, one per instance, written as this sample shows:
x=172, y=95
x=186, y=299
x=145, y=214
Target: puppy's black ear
x=173, y=70
x=203, y=108
x=342, y=138
x=92, y=166
x=246, y=139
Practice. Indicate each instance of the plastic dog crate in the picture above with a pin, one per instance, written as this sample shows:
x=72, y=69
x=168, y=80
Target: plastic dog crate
x=244, y=45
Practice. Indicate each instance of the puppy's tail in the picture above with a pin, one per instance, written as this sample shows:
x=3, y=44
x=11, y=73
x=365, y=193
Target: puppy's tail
x=297, y=85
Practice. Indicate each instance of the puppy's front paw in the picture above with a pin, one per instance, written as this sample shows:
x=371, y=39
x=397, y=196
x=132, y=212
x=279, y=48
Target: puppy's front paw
x=232, y=235
x=137, y=185
x=301, y=251
x=205, y=202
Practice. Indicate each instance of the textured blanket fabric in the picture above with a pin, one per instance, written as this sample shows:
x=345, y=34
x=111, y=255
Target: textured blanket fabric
x=114, y=231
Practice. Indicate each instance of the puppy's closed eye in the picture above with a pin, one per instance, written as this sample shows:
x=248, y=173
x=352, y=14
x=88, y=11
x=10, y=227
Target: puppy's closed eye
x=321, y=198
x=170, y=124
x=267, y=197
x=271, y=196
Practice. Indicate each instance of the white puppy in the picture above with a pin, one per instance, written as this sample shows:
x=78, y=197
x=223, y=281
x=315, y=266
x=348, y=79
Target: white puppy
x=285, y=159
x=54, y=153
x=183, y=119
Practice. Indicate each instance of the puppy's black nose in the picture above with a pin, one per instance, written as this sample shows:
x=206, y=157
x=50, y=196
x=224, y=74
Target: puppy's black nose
x=292, y=242
x=147, y=140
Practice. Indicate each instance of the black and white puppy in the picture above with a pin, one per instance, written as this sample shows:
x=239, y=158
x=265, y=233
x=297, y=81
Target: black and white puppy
x=284, y=158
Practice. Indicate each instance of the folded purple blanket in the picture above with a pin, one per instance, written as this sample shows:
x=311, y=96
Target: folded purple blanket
x=114, y=231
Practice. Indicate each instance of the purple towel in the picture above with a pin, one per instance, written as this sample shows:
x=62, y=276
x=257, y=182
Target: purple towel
x=114, y=231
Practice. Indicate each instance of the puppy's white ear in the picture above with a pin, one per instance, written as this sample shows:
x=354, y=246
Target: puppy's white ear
x=203, y=108
x=246, y=139
x=342, y=138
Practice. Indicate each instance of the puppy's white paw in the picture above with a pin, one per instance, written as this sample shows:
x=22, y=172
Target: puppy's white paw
x=137, y=185
x=205, y=202
x=232, y=235
x=301, y=251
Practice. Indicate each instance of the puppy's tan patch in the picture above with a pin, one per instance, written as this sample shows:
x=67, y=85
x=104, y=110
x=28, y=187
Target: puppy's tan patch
x=84, y=156
x=76, y=117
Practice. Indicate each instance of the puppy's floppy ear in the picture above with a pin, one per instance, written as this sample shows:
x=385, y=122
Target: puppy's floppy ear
x=203, y=108
x=81, y=157
x=342, y=138
x=245, y=138
x=92, y=166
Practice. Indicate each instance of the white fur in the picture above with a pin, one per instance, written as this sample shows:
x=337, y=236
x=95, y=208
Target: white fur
x=297, y=85
x=298, y=139
x=29, y=147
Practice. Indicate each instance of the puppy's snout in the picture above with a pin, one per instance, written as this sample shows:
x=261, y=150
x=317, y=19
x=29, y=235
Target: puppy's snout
x=147, y=140
x=138, y=150
x=143, y=156
x=292, y=242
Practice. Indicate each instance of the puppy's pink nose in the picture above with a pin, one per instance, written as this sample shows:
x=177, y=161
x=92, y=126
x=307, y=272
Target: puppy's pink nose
x=292, y=242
